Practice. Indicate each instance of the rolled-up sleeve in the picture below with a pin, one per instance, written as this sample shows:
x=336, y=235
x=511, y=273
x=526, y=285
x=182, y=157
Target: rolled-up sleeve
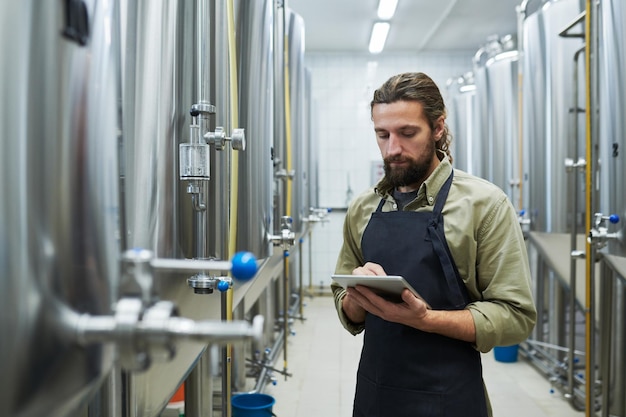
x=505, y=313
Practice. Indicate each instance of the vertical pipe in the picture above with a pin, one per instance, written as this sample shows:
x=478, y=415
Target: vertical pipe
x=301, y=278
x=541, y=299
x=589, y=260
x=285, y=308
x=573, y=238
x=521, y=15
x=234, y=200
x=199, y=382
x=608, y=293
x=310, y=261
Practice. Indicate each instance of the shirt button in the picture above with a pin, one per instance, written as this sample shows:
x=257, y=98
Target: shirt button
x=395, y=206
x=430, y=199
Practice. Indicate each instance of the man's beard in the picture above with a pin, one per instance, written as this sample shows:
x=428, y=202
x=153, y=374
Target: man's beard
x=415, y=172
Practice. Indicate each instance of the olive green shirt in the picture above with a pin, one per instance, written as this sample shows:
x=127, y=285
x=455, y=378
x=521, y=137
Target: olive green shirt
x=486, y=243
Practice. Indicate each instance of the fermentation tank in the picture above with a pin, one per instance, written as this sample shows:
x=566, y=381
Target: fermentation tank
x=256, y=87
x=548, y=115
x=59, y=231
x=296, y=149
x=465, y=145
x=312, y=152
x=612, y=126
x=534, y=80
x=612, y=172
x=497, y=92
x=168, y=68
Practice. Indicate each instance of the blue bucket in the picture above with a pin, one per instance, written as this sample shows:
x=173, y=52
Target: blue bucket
x=252, y=405
x=506, y=353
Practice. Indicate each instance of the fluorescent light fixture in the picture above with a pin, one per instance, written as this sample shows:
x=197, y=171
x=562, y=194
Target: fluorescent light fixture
x=386, y=9
x=379, y=36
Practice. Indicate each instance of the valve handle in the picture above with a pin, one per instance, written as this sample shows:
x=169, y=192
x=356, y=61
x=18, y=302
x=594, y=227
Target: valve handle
x=244, y=266
x=223, y=285
x=614, y=218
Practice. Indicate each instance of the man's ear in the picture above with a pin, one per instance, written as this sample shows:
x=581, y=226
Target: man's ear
x=439, y=127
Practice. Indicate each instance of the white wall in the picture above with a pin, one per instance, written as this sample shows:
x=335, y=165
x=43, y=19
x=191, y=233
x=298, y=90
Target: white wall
x=342, y=86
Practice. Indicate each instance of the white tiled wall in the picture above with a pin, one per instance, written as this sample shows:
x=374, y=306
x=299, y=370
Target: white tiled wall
x=342, y=86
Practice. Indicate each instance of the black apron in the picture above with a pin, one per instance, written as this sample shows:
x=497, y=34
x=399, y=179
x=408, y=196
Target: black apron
x=405, y=372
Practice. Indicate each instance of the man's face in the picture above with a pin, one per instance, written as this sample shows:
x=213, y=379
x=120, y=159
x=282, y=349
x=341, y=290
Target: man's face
x=406, y=142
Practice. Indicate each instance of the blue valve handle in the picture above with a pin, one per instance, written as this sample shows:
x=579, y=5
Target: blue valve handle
x=614, y=218
x=223, y=285
x=244, y=266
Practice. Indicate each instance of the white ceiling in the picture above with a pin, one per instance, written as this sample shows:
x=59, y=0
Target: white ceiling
x=418, y=25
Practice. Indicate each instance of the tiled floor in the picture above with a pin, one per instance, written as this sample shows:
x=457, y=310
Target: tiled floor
x=323, y=359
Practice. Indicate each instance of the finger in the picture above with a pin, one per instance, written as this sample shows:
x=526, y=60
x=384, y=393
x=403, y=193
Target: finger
x=370, y=301
x=376, y=269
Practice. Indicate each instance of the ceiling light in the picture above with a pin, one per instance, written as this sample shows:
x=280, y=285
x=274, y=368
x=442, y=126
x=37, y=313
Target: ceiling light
x=386, y=9
x=379, y=36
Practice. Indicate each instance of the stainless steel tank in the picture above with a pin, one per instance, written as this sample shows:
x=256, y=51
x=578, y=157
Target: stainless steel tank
x=297, y=96
x=612, y=173
x=612, y=125
x=256, y=114
x=499, y=117
x=162, y=56
x=534, y=79
x=462, y=121
x=312, y=151
x=59, y=240
x=547, y=116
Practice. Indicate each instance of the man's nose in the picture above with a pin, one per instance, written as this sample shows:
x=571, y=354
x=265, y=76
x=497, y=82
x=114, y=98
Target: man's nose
x=393, y=145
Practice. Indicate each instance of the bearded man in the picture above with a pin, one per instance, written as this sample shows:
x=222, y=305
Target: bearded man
x=456, y=239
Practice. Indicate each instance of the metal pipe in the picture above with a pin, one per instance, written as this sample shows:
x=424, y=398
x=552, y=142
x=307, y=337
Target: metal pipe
x=300, y=278
x=190, y=265
x=573, y=236
x=310, y=262
x=589, y=209
x=226, y=313
x=274, y=351
x=286, y=295
x=606, y=319
x=564, y=33
x=102, y=329
x=197, y=403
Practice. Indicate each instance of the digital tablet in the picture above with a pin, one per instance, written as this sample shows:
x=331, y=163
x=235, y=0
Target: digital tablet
x=387, y=286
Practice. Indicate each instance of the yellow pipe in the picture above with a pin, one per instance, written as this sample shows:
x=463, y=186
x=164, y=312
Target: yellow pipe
x=520, y=132
x=589, y=409
x=234, y=181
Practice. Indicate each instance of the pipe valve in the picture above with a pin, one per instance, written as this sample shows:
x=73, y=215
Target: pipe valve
x=146, y=329
x=317, y=215
x=570, y=165
x=147, y=335
x=218, y=138
x=206, y=284
x=287, y=237
x=524, y=222
x=599, y=235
